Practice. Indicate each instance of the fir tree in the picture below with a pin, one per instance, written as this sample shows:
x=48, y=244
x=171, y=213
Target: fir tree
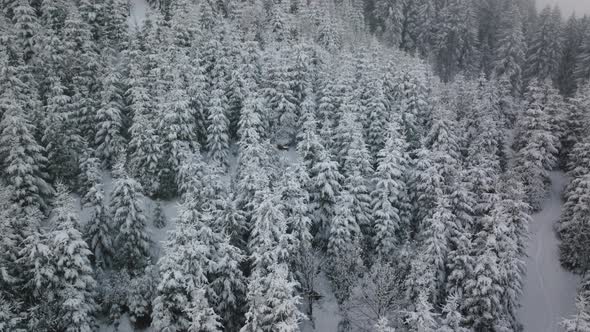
x=456, y=39
x=109, y=138
x=389, y=198
x=183, y=274
x=26, y=25
x=326, y=179
x=132, y=239
x=344, y=247
x=295, y=201
x=574, y=227
x=98, y=232
x=509, y=56
x=145, y=144
x=23, y=162
x=62, y=143
x=482, y=304
x=581, y=72
x=536, y=147
x=544, y=49
x=422, y=318
x=217, y=132
x=73, y=272
x=203, y=318
x=159, y=220
x=309, y=145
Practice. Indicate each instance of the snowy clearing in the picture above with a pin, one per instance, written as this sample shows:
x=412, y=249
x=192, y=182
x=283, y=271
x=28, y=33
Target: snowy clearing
x=549, y=290
x=326, y=313
x=137, y=11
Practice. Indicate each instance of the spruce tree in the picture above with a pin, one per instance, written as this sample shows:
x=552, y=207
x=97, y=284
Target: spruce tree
x=62, y=143
x=145, y=144
x=536, y=146
x=326, y=179
x=484, y=290
x=109, y=138
x=389, y=198
x=98, y=232
x=183, y=274
x=509, y=56
x=159, y=220
x=309, y=145
x=73, y=273
x=23, y=160
x=126, y=205
x=583, y=60
x=456, y=40
x=217, y=132
x=542, y=58
x=344, y=247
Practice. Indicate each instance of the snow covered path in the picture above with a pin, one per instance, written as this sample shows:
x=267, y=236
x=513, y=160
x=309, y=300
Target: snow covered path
x=137, y=12
x=326, y=313
x=549, y=290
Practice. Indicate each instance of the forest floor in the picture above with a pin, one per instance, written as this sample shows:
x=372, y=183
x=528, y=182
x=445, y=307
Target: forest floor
x=326, y=312
x=549, y=290
x=137, y=13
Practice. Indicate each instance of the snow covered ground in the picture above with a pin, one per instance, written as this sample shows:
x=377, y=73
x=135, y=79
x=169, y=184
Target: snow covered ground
x=549, y=290
x=137, y=12
x=326, y=313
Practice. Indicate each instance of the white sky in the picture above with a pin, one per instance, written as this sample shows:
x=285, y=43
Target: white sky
x=580, y=7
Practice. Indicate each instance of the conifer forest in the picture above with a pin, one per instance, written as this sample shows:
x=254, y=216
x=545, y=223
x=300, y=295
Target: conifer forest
x=294, y=165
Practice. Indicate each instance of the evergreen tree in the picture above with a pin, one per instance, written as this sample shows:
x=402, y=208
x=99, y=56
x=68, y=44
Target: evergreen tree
x=282, y=100
x=109, y=138
x=309, y=145
x=389, y=17
x=509, y=56
x=455, y=47
x=126, y=205
x=273, y=305
x=23, y=162
x=544, y=49
x=177, y=125
x=26, y=26
x=422, y=318
x=453, y=319
x=326, y=179
x=482, y=304
x=73, y=273
x=574, y=227
x=62, y=143
x=377, y=118
x=159, y=220
x=203, y=318
x=183, y=275
x=98, y=232
x=581, y=72
x=572, y=50
x=217, y=132
x=536, y=146
x=358, y=171
x=344, y=247
x=145, y=144
x=295, y=201
x=390, y=201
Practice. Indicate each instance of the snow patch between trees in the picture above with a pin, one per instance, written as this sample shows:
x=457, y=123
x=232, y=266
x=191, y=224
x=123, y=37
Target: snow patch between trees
x=137, y=12
x=549, y=290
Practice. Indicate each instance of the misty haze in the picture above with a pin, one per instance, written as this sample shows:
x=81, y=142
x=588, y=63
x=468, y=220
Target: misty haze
x=294, y=166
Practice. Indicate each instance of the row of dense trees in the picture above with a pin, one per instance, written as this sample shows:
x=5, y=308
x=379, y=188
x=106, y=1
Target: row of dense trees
x=502, y=37
x=400, y=182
